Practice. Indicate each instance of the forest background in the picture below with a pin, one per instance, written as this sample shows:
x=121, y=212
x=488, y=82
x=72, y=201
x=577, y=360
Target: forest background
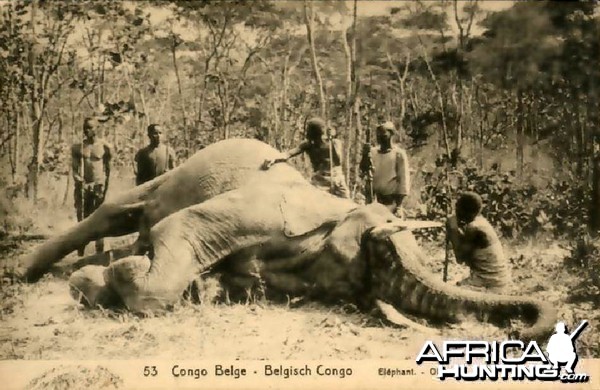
x=498, y=97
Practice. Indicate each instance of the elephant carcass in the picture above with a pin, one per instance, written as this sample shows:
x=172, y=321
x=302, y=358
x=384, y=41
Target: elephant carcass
x=217, y=168
x=297, y=240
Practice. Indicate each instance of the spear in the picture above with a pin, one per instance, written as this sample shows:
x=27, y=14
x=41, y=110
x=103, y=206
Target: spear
x=330, y=140
x=82, y=174
x=366, y=165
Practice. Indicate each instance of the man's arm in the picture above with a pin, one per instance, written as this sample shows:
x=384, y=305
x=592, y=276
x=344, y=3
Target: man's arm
x=138, y=168
x=295, y=151
x=472, y=239
x=136, y=162
x=286, y=155
x=462, y=241
x=171, y=159
x=76, y=163
x=402, y=173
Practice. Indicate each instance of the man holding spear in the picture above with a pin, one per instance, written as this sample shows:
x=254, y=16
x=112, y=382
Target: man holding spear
x=325, y=157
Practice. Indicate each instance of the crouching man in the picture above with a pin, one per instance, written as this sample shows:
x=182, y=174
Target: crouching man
x=476, y=244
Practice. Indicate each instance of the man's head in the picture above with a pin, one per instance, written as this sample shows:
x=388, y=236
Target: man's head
x=468, y=206
x=384, y=133
x=560, y=327
x=90, y=126
x=154, y=133
x=315, y=128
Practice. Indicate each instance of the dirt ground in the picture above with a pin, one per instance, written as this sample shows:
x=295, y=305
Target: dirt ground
x=42, y=321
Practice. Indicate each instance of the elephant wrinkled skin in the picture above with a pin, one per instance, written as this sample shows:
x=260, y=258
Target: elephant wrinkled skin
x=219, y=212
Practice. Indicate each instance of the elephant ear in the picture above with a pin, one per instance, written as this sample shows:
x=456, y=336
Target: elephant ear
x=305, y=209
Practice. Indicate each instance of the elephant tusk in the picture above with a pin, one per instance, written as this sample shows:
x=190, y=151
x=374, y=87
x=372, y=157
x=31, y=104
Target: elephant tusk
x=395, y=226
x=395, y=317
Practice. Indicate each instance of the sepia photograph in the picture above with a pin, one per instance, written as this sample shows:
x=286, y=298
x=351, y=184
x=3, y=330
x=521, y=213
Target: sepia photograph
x=299, y=194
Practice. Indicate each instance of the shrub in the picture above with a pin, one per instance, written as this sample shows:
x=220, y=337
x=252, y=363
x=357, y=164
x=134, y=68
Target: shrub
x=585, y=256
x=15, y=219
x=516, y=208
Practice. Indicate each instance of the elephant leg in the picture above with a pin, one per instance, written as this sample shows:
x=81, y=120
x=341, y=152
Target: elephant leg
x=242, y=277
x=110, y=219
x=286, y=283
x=203, y=290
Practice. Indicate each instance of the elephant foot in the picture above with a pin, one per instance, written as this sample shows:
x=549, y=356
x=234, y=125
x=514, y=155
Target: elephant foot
x=23, y=273
x=87, y=286
x=127, y=271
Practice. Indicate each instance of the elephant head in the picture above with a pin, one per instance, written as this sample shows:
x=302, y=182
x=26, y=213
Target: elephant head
x=398, y=275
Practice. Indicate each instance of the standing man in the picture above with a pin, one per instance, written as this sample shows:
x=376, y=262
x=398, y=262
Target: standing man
x=325, y=157
x=391, y=176
x=155, y=159
x=91, y=173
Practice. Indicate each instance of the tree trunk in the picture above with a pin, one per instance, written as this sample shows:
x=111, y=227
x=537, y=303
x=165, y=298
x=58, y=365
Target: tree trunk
x=356, y=100
x=594, y=211
x=520, y=136
x=34, y=165
x=581, y=141
x=593, y=119
x=201, y=103
x=36, y=110
x=480, y=139
x=283, y=117
x=181, y=99
x=444, y=136
x=359, y=135
x=459, y=104
x=349, y=95
x=309, y=19
x=402, y=82
x=17, y=145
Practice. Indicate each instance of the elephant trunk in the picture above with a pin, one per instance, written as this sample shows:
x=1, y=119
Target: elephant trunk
x=400, y=276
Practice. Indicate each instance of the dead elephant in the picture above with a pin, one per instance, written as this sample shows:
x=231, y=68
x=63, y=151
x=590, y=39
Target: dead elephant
x=220, y=211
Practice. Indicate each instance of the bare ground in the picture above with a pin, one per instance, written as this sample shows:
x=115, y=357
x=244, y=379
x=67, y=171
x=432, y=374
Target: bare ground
x=42, y=321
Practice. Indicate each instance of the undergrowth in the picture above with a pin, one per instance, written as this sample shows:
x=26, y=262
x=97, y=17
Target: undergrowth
x=584, y=259
x=515, y=207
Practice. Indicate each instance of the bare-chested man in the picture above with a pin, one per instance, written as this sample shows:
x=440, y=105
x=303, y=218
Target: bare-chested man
x=325, y=157
x=477, y=245
x=91, y=172
x=155, y=159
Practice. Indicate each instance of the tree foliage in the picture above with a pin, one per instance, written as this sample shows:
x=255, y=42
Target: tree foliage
x=466, y=87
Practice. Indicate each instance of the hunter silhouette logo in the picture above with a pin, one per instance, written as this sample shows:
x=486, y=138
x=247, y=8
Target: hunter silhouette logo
x=474, y=360
x=561, y=347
